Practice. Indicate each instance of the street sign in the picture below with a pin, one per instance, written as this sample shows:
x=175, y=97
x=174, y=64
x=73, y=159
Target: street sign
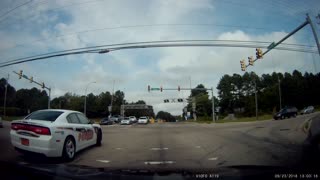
x=272, y=45
x=155, y=89
x=109, y=108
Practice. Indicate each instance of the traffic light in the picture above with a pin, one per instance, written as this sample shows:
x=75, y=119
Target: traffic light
x=31, y=79
x=166, y=100
x=250, y=59
x=243, y=65
x=178, y=88
x=180, y=100
x=161, y=88
x=148, y=88
x=259, y=53
x=20, y=74
x=42, y=85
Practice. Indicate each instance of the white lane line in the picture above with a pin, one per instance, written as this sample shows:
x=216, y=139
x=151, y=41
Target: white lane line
x=118, y=148
x=213, y=159
x=159, y=149
x=158, y=162
x=198, y=146
x=103, y=161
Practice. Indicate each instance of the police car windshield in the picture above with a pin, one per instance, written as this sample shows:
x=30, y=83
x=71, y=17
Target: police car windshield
x=44, y=115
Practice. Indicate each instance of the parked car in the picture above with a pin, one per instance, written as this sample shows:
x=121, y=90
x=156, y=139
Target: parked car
x=133, y=119
x=308, y=110
x=116, y=118
x=126, y=121
x=143, y=120
x=106, y=121
x=1, y=125
x=286, y=112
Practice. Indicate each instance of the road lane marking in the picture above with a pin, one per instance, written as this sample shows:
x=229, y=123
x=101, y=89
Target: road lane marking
x=158, y=162
x=118, y=148
x=103, y=161
x=213, y=159
x=159, y=149
x=198, y=146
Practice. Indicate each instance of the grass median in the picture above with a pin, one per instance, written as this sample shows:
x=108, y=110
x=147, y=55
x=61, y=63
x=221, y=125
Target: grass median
x=208, y=120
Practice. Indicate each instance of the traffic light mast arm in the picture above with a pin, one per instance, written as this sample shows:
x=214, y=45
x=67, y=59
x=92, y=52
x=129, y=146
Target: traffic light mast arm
x=287, y=36
x=283, y=39
x=26, y=77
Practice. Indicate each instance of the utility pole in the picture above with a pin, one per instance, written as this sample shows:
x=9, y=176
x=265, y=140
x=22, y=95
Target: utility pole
x=256, y=98
x=5, y=97
x=213, y=113
x=279, y=82
x=85, y=98
x=112, y=98
x=314, y=33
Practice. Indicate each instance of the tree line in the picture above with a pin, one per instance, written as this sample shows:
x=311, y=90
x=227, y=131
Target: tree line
x=24, y=101
x=237, y=92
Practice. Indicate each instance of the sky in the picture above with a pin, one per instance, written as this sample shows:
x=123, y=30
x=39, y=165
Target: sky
x=42, y=26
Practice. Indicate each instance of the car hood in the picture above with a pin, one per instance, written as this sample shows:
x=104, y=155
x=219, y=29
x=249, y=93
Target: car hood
x=67, y=171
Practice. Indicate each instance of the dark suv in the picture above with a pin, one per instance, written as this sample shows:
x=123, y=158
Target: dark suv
x=286, y=112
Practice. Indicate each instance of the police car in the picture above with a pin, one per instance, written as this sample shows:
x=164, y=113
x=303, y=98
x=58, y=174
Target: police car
x=55, y=133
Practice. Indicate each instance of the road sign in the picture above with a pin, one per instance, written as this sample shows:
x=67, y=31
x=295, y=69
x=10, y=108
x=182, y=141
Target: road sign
x=272, y=45
x=155, y=89
x=109, y=108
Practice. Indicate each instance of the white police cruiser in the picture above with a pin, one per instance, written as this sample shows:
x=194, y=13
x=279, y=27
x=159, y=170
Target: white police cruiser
x=55, y=133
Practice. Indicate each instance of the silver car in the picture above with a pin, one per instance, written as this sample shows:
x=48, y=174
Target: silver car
x=308, y=110
x=126, y=121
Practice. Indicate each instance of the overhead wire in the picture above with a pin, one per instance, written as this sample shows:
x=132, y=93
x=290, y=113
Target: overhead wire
x=133, y=46
x=13, y=9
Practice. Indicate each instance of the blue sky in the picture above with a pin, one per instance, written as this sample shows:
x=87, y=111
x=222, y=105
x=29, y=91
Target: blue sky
x=43, y=26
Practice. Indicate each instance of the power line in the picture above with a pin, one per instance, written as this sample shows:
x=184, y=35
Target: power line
x=150, y=42
x=10, y=10
x=150, y=45
x=130, y=26
x=54, y=9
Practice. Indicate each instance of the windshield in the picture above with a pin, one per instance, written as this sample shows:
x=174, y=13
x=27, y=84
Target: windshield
x=44, y=115
x=159, y=85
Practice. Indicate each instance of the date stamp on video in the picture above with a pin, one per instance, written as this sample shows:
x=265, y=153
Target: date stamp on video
x=296, y=176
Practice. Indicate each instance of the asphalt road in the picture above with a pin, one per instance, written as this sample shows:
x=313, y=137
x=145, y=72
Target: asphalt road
x=189, y=146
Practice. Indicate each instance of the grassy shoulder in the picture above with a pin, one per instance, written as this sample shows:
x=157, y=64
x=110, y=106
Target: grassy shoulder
x=208, y=120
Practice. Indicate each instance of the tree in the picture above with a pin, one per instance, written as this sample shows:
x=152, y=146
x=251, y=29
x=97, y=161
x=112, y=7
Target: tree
x=11, y=93
x=165, y=116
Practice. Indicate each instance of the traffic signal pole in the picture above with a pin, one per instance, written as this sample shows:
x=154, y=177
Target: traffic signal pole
x=314, y=33
x=273, y=45
x=188, y=89
x=40, y=84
